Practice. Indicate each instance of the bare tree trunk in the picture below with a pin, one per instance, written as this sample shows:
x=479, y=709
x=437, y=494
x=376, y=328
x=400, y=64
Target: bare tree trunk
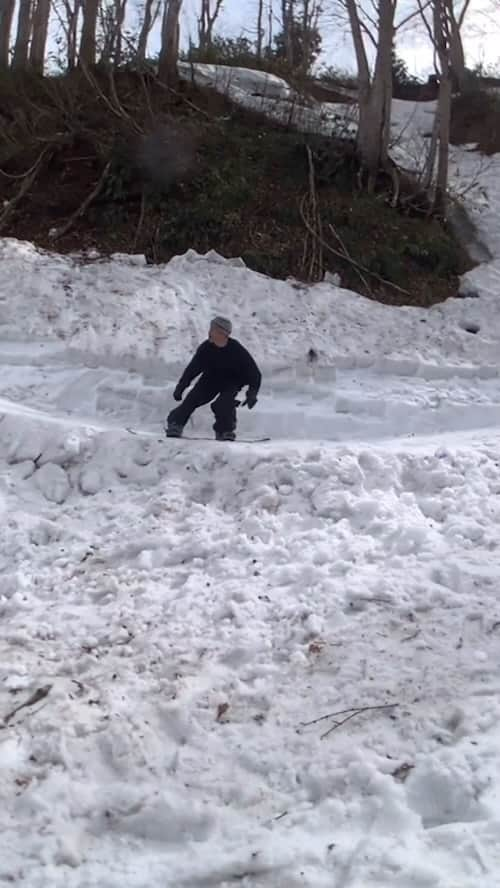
x=117, y=32
x=430, y=163
x=167, y=64
x=39, y=37
x=260, y=29
x=21, y=46
x=270, y=24
x=444, y=100
x=151, y=10
x=457, y=57
x=306, y=37
x=72, y=15
x=88, y=36
x=311, y=11
x=457, y=54
x=6, y=17
x=441, y=29
x=207, y=21
x=374, y=94
x=287, y=16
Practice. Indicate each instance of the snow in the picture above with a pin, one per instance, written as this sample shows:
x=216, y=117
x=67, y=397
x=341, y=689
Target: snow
x=189, y=612
x=223, y=77
x=271, y=95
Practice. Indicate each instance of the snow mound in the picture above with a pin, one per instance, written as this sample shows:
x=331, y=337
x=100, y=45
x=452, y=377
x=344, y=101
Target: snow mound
x=222, y=78
x=53, y=482
x=148, y=318
x=204, y=604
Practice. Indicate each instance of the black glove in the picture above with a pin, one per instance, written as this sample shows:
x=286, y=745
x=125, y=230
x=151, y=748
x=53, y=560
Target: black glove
x=178, y=393
x=251, y=399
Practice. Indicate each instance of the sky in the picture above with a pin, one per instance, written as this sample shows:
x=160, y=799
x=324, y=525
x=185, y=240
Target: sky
x=481, y=36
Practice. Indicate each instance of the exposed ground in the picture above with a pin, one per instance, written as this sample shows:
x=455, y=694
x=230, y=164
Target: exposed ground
x=189, y=170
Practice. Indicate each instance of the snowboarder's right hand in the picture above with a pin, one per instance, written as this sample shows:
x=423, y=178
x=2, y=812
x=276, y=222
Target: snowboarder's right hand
x=251, y=399
x=178, y=393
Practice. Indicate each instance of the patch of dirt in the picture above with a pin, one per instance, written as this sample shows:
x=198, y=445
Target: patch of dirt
x=475, y=118
x=187, y=169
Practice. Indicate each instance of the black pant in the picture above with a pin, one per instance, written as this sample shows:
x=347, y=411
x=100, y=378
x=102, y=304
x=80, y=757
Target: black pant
x=203, y=392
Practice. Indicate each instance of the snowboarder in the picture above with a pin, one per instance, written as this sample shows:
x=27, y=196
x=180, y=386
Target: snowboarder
x=224, y=367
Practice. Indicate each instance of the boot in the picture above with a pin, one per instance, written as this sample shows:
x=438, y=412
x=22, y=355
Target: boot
x=225, y=436
x=174, y=430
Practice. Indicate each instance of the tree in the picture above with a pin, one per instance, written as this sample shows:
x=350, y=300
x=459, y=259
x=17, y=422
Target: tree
x=68, y=15
x=23, y=35
x=40, y=27
x=287, y=17
x=299, y=41
x=260, y=28
x=438, y=23
x=112, y=16
x=169, y=52
x=298, y=44
x=149, y=18
x=373, y=27
x=400, y=73
x=455, y=14
x=301, y=46
x=208, y=16
x=235, y=51
x=6, y=18
x=374, y=91
x=88, y=50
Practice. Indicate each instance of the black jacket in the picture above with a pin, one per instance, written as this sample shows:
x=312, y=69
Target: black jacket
x=229, y=366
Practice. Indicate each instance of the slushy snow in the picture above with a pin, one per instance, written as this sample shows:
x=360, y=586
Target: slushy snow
x=270, y=665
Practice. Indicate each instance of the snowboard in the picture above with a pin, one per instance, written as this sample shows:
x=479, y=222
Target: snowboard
x=139, y=434
x=237, y=441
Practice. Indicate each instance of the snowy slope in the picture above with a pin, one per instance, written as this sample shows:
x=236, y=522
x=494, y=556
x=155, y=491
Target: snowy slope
x=125, y=313
x=172, y=614
x=191, y=606
x=271, y=95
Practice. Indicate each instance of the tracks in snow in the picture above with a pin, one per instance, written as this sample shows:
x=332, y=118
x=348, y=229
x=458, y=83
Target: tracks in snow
x=329, y=405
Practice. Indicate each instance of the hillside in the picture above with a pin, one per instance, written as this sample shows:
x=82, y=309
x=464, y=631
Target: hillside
x=137, y=169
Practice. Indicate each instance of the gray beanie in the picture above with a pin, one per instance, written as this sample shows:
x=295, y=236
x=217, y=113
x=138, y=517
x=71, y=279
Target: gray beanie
x=223, y=324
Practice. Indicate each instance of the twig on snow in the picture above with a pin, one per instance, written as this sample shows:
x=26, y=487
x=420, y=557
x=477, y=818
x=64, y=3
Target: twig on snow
x=349, y=713
x=38, y=695
x=412, y=636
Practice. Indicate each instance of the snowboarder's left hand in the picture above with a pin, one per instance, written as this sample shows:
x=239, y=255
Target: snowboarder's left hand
x=178, y=393
x=251, y=399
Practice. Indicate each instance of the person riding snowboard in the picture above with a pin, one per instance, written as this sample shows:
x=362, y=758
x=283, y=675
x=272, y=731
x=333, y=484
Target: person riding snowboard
x=224, y=367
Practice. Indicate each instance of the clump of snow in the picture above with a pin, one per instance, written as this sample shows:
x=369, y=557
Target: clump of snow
x=53, y=482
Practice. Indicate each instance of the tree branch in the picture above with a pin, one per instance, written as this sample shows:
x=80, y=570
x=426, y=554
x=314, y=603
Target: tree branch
x=353, y=712
x=28, y=179
x=412, y=15
x=357, y=37
x=38, y=695
x=356, y=265
x=85, y=204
